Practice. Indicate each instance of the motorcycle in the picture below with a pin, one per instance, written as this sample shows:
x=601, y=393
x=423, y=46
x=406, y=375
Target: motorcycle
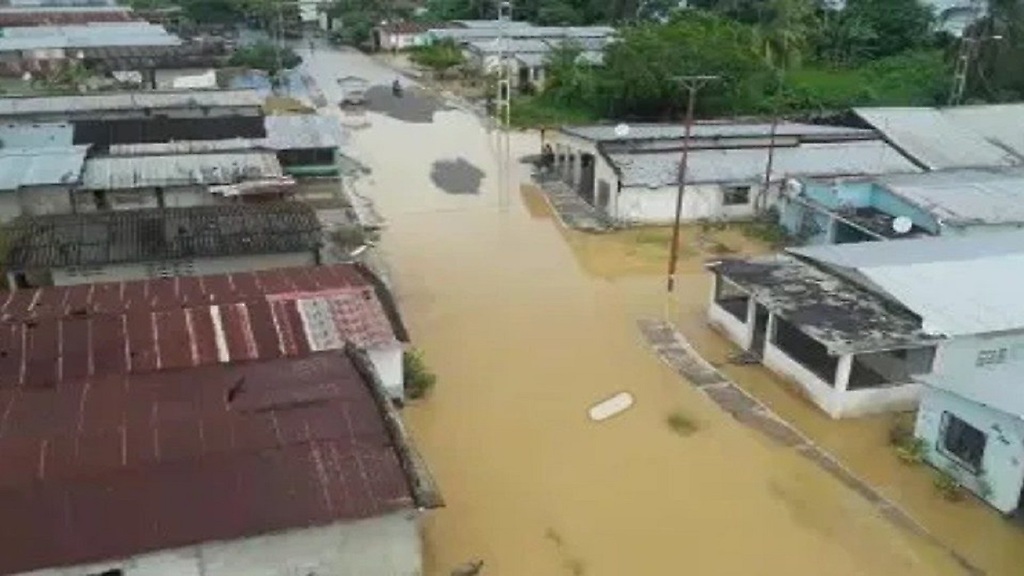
x=396, y=89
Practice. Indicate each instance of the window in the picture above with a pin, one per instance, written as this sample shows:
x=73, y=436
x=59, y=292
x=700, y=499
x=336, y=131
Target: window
x=732, y=298
x=736, y=195
x=962, y=442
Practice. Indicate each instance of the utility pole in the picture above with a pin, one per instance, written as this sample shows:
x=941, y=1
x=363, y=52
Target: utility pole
x=503, y=103
x=692, y=84
x=965, y=56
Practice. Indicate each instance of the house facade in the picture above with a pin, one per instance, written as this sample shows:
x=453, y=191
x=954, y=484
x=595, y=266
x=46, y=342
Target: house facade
x=631, y=172
x=939, y=203
x=39, y=180
x=395, y=36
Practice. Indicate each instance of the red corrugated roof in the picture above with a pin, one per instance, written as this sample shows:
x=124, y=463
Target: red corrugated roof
x=112, y=466
x=51, y=335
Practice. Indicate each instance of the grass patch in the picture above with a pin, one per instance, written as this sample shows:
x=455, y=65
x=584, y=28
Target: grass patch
x=681, y=423
x=536, y=112
x=419, y=380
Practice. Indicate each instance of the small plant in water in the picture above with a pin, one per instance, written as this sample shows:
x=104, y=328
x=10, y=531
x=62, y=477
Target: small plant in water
x=901, y=431
x=418, y=378
x=911, y=451
x=681, y=424
x=949, y=486
x=576, y=567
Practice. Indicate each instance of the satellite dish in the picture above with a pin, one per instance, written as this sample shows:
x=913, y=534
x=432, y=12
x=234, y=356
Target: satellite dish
x=902, y=224
x=622, y=130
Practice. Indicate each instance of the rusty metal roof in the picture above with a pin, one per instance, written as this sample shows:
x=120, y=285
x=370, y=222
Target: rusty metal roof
x=107, y=467
x=63, y=18
x=55, y=335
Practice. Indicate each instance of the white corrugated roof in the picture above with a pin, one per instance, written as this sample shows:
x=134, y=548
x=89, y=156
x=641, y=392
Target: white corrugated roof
x=128, y=172
x=92, y=35
x=964, y=197
x=957, y=285
x=715, y=129
x=949, y=138
x=858, y=157
x=156, y=99
x=21, y=167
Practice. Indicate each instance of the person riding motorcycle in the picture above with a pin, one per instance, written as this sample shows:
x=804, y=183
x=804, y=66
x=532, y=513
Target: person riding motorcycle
x=396, y=88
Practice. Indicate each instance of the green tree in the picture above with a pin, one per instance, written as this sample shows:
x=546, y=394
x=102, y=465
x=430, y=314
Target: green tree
x=439, y=56
x=639, y=71
x=843, y=39
x=786, y=35
x=997, y=74
x=267, y=57
x=896, y=25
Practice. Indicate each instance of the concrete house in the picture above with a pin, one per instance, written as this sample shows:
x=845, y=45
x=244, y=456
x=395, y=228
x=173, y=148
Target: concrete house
x=73, y=249
x=849, y=350
x=632, y=175
x=282, y=466
x=948, y=202
x=529, y=56
x=179, y=180
x=38, y=180
x=394, y=36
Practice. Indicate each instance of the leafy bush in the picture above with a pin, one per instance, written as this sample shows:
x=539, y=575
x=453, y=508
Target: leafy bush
x=949, y=486
x=439, y=56
x=681, y=423
x=419, y=380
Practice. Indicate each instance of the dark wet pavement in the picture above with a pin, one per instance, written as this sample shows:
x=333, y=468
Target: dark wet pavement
x=457, y=176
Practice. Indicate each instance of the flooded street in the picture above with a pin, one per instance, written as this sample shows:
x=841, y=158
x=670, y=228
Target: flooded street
x=527, y=326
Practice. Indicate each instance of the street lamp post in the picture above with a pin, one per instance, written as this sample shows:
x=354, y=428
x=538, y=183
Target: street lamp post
x=692, y=84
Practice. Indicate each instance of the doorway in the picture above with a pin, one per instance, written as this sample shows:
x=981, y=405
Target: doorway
x=760, y=330
x=586, y=184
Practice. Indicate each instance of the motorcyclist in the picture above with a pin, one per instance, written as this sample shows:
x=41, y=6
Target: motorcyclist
x=396, y=87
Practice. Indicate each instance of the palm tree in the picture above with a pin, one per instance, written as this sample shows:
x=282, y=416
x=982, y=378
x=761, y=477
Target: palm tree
x=785, y=36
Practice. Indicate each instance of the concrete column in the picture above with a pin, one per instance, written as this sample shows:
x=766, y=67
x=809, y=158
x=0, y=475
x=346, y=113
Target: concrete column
x=830, y=232
x=842, y=380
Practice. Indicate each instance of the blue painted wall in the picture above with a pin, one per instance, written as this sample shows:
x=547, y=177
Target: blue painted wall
x=1003, y=460
x=793, y=216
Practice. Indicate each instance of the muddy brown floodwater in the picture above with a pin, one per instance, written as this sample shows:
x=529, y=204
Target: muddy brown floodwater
x=527, y=326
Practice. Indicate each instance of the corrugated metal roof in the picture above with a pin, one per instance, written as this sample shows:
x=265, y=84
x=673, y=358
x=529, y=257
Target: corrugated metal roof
x=939, y=139
x=119, y=101
x=965, y=196
x=62, y=17
x=304, y=131
x=724, y=129
x=21, y=167
x=93, y=35
x=512, y=46
x=491, y=23
x=102, y=469
x=289, y=132
x=957, y=285
x=59, y=3
x=550, y=32
x=747, y=165
x=1000, y=124
x=126, y=172
x=26, y=135
x=160, y=234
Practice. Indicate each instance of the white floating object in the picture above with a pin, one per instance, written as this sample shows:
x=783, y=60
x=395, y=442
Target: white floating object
x=902, y=224
x=622, y=130
x=607, y=408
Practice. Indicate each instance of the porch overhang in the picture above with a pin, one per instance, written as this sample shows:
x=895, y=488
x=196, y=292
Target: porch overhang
x=834, y=312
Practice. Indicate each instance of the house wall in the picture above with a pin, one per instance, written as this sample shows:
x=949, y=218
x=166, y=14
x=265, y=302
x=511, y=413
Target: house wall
x=706, y=201
x=387, y=361
x=978, y=368
x=739, y=332
x=34, y=201
x=174, y=197
x=164, y=79
x=197, y=267
x=1003, y=460
x=384, y=546
x=390, y=41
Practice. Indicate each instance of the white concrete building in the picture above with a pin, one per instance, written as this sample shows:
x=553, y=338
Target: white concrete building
x=632, y=174
x=848, y=350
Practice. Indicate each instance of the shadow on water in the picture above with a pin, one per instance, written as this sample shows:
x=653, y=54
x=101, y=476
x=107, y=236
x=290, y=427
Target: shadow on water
x=457, y=176
x=414, y=105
